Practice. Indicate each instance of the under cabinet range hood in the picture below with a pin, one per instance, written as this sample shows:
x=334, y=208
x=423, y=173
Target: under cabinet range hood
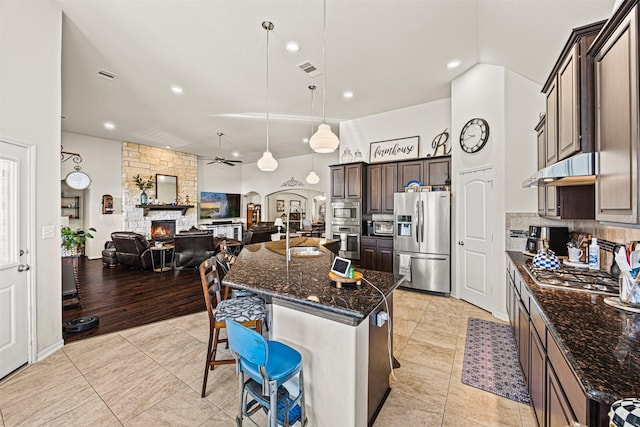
x=580, y=169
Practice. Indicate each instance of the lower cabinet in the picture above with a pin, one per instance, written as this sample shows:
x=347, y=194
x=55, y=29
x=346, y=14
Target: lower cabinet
x=376, y=254
x=557, y=397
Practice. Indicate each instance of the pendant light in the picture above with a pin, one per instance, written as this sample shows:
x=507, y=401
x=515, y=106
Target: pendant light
x=324, y=141
x=313, y=177
x=267, y=163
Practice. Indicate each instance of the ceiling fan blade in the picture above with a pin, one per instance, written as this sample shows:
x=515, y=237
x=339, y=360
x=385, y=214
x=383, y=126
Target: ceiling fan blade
x=235, y=161
x=228, y=162
x=213, y=161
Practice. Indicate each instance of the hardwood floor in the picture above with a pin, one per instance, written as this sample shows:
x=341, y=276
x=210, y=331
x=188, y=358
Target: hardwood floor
x=123, y=298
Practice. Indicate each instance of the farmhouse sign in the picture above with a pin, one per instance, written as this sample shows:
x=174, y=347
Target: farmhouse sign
x=394, y=149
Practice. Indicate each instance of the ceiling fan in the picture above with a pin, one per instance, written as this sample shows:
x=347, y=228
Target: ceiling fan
x=220, y=159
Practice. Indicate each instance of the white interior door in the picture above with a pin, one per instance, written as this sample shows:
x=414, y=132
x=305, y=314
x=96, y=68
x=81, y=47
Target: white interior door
x=14, y=257
x=476, y=207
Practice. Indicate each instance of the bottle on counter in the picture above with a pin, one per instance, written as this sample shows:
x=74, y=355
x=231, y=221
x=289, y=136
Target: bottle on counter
x=594, y=255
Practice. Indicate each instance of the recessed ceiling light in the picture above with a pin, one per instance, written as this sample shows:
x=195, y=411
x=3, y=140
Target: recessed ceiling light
x=292, y=47
x=305, y=140
x=176, y=89
x=235, y=154
x=109, y=125
x=167, y=146
x=347, y=94
x=454, y=64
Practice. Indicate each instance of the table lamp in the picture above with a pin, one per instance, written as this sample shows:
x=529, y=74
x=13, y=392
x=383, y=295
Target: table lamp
x=278, y=223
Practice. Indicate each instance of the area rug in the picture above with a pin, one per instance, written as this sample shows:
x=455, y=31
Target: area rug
x=491, y=360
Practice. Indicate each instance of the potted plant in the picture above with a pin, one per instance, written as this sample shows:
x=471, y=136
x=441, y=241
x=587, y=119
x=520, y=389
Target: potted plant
x=73, y=240
x=143, y=184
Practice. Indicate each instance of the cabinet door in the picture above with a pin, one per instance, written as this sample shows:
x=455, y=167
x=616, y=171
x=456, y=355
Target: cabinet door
x=337, y=182
x=537, y=376
x=375, y=187
x=616, y=125
x=409, y=171
x=368, y=257
x=542, y=161
x=559, y=413
x=523, y=341
x=551, y=125
x=353, y=181
x=551, y=202
x=569, y=105
x=384, y=259
x=436, y=172
x=389, y=184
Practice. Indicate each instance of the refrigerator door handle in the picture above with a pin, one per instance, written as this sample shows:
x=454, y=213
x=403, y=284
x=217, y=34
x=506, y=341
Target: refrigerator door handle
x=436, y=258
x=422, y=220
x=418, y=222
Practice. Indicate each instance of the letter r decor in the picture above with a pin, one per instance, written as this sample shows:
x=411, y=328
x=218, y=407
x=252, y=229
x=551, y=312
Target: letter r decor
x=394, y=149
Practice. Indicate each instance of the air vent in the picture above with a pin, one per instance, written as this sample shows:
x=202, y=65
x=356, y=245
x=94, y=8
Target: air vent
x=309, y=68
x=107, y=75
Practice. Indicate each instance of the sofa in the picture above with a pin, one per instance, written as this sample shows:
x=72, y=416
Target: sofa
x=260, y=233
x=192, y=247
x=132, y=249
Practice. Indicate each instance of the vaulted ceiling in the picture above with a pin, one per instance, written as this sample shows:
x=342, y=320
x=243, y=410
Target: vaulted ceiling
x=390, y=54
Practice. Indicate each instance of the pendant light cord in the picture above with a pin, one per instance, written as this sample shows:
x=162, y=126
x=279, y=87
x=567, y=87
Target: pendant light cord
x=324, y=55
x=268, y=28
x=313, y=89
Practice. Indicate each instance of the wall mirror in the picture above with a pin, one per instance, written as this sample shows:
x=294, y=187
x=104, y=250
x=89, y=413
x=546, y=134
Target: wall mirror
x=166, y=188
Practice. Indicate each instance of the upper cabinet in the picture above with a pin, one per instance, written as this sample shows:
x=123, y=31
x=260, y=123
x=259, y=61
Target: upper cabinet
x=348, y=181
x=569, y=92
x=615, y=53
x=383, y=183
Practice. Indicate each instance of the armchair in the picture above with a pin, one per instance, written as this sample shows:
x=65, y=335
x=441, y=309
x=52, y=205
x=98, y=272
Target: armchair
x=193, y=247
x=132, y=249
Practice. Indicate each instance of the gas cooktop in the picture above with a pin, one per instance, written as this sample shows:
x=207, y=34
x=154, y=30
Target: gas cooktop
x=574, y=279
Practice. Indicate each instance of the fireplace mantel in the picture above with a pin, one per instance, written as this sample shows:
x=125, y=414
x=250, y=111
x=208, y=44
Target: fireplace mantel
x=148, y=208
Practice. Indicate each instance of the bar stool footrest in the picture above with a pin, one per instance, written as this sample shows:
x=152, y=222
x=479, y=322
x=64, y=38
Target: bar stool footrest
x=285, y=402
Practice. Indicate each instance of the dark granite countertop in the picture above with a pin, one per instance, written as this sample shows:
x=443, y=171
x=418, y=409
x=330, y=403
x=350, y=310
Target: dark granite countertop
x=600, y=342
x=263, y=270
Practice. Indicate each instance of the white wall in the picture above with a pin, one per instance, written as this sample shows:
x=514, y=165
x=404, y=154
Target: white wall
x=30, y=57
x=510, y=104
x=425, y=120
x=101, y=160
x=523, y=104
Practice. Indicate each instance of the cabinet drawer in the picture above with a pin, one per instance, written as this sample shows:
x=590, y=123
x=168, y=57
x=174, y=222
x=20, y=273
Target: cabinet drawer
x=385, y=243
x=568, y=381
x=538, y=323
x=368, y=241
x=524, y=292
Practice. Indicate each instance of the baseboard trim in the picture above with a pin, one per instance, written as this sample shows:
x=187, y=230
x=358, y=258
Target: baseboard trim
x=46, y=352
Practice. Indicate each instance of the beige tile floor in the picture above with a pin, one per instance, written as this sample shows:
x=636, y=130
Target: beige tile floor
x=151, y=376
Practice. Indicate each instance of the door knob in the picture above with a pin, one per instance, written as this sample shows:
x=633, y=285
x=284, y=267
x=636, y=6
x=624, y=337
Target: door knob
x=460, y=242
x=23, y=267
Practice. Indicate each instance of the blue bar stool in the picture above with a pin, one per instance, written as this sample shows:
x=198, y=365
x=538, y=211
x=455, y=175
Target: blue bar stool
x=268, y=364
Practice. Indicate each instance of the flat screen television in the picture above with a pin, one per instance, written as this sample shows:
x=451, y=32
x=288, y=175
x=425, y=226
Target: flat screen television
x=219, y=205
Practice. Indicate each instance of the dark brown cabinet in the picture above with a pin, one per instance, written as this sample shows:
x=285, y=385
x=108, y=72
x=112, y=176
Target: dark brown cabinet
x=383, y=183
x=348, y=181
x=616, y=68
x=376, y=253
x=569, y=92
x=434, y=171
x=409, y=171
x=538, y=372
x=559, y=412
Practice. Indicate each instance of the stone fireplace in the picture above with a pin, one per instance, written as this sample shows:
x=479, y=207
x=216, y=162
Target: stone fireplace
x=163, y=229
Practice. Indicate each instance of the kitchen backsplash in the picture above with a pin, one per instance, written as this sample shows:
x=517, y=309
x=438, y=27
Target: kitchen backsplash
x=522, y=221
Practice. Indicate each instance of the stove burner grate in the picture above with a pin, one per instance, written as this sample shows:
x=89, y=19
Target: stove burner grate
x=568, y=278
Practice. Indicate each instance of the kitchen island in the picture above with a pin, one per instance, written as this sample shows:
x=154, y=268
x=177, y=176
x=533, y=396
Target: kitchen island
x=591, y=350
x=345, y=355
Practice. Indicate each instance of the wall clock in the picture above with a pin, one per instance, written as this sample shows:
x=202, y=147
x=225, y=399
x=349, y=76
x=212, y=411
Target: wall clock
x=474, y=135
x=78, y=180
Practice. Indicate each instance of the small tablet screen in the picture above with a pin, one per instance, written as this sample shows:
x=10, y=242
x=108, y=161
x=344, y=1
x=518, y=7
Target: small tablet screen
x=341, y=266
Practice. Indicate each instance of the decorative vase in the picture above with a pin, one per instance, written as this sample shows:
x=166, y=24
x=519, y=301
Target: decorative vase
x=347, y=156
x=143, y=198
x=357, y=156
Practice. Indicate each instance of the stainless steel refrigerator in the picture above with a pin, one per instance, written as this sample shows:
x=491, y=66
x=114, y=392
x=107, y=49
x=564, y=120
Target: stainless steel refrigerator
x=422, y=240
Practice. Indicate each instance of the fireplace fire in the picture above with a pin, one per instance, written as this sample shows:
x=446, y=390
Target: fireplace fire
x=162, y=230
